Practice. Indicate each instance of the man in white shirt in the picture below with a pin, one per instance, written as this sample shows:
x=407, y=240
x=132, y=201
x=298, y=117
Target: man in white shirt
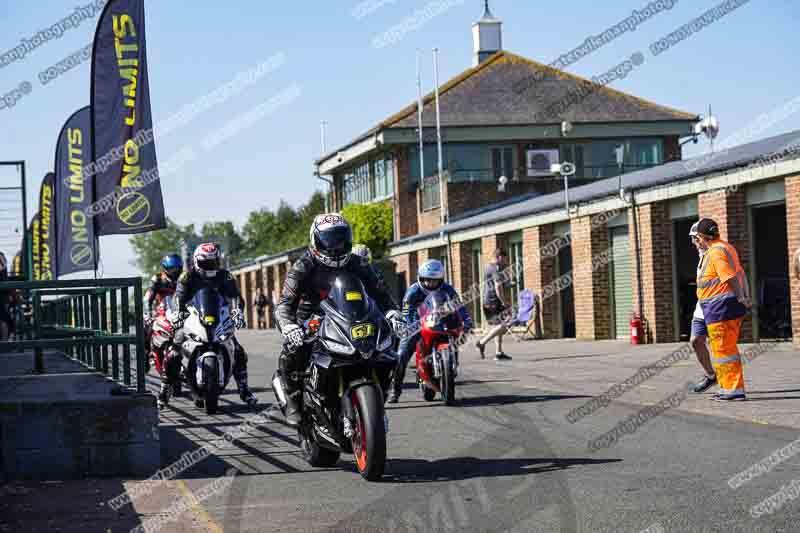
x=699, y=330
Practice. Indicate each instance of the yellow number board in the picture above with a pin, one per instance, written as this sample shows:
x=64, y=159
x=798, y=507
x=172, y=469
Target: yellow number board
x=362, y=331
x=352, y=296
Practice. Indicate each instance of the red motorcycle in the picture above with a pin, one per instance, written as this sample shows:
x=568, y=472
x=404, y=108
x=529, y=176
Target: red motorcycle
x=161, y=334
x=437, y=350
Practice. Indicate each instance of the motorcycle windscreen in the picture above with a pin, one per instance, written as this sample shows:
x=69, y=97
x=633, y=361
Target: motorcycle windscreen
x=348, y=296
x=168, y=302
x=439, y=312
x=207, y=303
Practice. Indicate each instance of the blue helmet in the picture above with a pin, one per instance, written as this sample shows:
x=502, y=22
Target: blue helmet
x=172, y=265
x=430, y=275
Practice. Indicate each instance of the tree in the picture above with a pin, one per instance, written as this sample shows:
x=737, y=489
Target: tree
x=224, y=234
x=268, y=232
x=151, y=247
x=372, y=225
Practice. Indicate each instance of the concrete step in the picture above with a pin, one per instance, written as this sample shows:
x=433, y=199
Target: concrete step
x=72, y=424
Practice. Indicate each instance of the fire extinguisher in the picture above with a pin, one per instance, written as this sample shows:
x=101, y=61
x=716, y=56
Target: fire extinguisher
x=636, y=330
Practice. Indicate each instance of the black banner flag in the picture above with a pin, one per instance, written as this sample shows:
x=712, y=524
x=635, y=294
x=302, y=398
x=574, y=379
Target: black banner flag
x=127, y=192
x=33, y=238
x=47, y=226
x=74, y=226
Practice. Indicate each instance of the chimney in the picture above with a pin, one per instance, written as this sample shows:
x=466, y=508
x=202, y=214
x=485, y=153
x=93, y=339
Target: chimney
x=487, y=36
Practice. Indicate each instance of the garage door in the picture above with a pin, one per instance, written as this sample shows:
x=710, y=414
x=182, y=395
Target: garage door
x=621, y=280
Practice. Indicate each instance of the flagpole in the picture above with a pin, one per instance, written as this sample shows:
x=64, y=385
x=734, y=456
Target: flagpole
x=442, y=209
x=419, y=122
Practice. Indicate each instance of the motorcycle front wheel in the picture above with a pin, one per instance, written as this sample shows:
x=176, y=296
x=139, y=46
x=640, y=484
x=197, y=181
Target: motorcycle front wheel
x=211, y=373
x=448, y=381
x=428, y=393
x=369, y=437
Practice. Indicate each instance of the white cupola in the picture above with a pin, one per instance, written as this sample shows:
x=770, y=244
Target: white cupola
x=487, y=36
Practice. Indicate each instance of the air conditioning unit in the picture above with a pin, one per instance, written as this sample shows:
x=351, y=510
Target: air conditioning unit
x=540, y=161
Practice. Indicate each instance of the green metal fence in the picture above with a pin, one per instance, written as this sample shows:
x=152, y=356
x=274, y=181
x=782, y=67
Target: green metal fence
x=92, y=321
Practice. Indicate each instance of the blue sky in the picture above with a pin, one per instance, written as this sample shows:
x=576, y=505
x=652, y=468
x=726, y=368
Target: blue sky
x=745, y=65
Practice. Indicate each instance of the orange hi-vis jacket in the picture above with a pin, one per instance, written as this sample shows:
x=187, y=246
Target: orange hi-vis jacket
x=717, y=299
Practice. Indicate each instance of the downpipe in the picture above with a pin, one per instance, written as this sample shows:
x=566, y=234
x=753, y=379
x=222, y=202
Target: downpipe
x=639, y=288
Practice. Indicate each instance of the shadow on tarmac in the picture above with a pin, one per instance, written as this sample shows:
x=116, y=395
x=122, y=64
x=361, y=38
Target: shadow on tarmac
x=462, y=468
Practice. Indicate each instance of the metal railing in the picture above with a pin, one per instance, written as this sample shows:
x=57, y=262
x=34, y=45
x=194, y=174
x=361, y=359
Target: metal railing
x=584, y=172
x=92, y=321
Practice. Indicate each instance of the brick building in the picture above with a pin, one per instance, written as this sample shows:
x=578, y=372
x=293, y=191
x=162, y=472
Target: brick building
x=506, y=117
x=622, y=247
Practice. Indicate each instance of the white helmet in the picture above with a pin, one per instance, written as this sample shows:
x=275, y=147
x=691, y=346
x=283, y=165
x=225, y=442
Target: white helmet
x=430, y=275
x=331, y=240
x=207, y=259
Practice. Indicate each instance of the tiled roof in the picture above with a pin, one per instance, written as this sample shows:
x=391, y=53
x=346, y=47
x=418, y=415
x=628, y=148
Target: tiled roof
x=510, y=90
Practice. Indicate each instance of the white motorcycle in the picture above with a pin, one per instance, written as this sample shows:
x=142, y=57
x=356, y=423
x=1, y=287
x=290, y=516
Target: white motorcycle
x=207, y=347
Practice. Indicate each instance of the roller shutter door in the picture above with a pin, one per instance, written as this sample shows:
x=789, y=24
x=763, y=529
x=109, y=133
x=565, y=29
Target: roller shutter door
x=621, y=281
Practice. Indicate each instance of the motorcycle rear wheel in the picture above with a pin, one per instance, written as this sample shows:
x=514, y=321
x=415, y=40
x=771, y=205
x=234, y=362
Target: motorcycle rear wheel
x=369, y=437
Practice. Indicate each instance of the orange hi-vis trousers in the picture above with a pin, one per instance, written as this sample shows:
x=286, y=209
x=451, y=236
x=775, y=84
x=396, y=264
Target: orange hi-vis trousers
x=725, y=355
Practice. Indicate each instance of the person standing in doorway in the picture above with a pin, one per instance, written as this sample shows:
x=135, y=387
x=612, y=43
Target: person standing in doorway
x=724, y=297
x=699, y=336
x=494, y=306
x=261, y=309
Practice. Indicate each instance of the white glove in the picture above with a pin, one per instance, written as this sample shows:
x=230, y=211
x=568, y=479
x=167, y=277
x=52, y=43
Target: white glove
x=176, y=318
x=294, y=335
x=395, y=318
x=238, y=319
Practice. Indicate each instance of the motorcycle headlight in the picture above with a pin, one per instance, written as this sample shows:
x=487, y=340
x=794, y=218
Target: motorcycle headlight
x=338, y=347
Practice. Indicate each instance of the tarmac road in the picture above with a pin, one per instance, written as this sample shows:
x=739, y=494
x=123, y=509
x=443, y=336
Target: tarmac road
x=504, y=459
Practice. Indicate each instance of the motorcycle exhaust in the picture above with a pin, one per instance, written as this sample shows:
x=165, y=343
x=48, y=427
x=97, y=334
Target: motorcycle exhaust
x=277, y=388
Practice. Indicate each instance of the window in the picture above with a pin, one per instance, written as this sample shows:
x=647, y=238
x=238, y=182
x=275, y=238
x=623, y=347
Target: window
x=515, y=262
x=431, y=197
x=599, y=159
x=464, y=162
x=431, y=160
x=502, y=158
x=573, y=153
x=368, y=182
x=475, y=293
x=384, y=178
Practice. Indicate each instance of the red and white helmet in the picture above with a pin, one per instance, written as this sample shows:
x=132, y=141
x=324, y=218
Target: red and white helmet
x=207, y=259
x=331, y=240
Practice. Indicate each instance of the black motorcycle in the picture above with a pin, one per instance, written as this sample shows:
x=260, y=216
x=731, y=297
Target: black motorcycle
x=346, y=381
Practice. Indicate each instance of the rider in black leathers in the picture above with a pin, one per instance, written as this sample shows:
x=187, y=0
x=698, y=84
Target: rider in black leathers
x=208, y=273
x=307, y=283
